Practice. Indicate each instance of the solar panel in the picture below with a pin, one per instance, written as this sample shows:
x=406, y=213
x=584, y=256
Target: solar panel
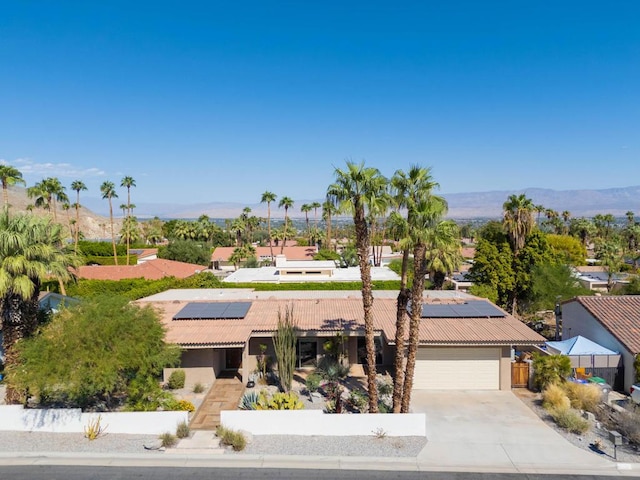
x=469, y=309
x=213, y=310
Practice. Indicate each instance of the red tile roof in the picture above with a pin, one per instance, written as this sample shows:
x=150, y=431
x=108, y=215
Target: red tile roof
x=325, y=316
x=619, y=314
x=151, y=270
x=290, y=252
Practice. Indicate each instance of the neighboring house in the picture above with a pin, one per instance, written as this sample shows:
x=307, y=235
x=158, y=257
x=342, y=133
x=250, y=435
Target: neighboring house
x=465, y=342
x=306, y=271
x=221, y=255
x=150, y=270
x=611, y=321
x=460, y=279
x=597, y=278
x=144, y=254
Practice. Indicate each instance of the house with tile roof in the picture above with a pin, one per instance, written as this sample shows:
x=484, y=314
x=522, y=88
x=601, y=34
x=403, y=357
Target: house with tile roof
x=465, y=342
x=220, y=256
x=611, y=321
x=151, y=270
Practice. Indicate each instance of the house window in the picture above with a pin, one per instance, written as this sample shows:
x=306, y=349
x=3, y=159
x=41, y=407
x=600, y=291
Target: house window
x=362, y=350
x=307, y=353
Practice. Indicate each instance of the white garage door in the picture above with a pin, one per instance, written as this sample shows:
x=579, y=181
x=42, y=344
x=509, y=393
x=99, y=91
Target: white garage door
x=439, y=368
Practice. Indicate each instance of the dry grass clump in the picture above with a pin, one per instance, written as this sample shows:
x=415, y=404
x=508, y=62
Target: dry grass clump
x=554, y=397
x=570, y=420
x=583, y=397
x=231, y=437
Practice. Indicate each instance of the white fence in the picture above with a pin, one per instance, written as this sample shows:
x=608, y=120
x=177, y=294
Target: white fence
x=316, y=422
x=17, y=418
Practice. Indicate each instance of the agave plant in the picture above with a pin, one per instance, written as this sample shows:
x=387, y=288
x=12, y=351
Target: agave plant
x=249, y=401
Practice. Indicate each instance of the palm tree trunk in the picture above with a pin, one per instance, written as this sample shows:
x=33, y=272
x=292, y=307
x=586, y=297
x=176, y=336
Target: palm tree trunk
x=286, y=225
x=128, y=220
x=5, y=195
x=77, y=232
x=113, y=237
x=269, y=226
x=401, y=322
x=328, y=247
x=420, y=270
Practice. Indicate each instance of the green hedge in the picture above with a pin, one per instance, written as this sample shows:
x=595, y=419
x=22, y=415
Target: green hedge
x=100, y=260
x=100, y=249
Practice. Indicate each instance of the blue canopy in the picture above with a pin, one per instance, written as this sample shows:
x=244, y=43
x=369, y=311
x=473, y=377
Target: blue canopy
x=580, y=346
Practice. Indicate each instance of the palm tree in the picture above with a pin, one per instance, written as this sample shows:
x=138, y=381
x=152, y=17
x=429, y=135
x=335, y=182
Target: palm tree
x=315, y=206
x=409, y=189
x=128, y=182
x=518, y=220
x=328, y=210
x=287, y=203
x=443, y=254
x=77, y=186
x=354, y=189
x=9, y=176
x=306, y=208
x=30, y=253
x=108, y=190
x=47, y=193
x=268, y=197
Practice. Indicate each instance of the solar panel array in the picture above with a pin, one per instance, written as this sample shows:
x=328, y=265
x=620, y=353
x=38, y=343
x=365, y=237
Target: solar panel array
x=213, y=310
x=469, y=309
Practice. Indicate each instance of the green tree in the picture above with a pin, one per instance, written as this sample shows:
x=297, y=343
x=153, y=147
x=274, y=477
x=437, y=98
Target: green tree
x=96, y=353
x=443, y=252
x=582, y=228
x=306, y=208
x=9, y=176
x=568, y=249
x=30, y=253
x=77, y=186
x=108, y=190
x=268, y=197
x=328, y=211
x=188, y=251
x=492, y=270
x=286, y=203
x=47, y=193
x=128, y=182
x=355, y=188
x=610, y=255
x=550, y=282
x=518, y=220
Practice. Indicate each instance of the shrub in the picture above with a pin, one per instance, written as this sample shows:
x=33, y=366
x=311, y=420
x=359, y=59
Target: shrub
x=231, y=437
x=279, y=401
x=357, y=400
x=168, y=440
x=550, y=369
x=583, y=397
x=198, y=388
x=249, y=401
x=570, y=420
x=312, y=382
x=93, y=429
x=176, y=379
x=183, y=430
x=554, y=397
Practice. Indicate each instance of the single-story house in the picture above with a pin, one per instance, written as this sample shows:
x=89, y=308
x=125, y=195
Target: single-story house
x=144, y=254
x=151, y=270
x=596, y=278
x=611, y=321
x=221, y=255
x=465, y=342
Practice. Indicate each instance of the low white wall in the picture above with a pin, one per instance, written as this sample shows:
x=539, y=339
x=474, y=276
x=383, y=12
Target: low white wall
x=17, y=418
x=316, y=422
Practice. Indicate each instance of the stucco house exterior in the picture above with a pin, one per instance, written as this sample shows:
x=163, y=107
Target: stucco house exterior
x=465, y=342
x=611, y=321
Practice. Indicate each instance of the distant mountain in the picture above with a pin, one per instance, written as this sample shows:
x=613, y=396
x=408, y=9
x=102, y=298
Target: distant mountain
x=587, y=203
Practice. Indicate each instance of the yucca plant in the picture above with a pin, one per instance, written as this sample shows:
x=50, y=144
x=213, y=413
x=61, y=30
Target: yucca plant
x=249, y=401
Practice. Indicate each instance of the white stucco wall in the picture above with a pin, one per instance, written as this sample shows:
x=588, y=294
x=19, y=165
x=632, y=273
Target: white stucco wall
x=316, y=422
x=72, y=420
x=576, y=320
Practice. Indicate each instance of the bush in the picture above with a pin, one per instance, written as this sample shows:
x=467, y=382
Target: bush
x=122, y=260
x=176, y=380
x=198, y=388
x=168, y=440
x=583, y=397
x=312, y=382
x=179, y=405
x=554, y=397
x=249, y=401
x=231, y=437
x=570, y=420
x=183, y=430
x=278, y=401
x=550, y=369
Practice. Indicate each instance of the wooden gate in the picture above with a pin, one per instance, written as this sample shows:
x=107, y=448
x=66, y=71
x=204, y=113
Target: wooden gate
x=519, y=375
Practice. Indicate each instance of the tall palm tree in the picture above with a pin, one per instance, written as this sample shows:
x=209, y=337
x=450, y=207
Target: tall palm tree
x=47, y=193
x=409, y=189
x=306, y=208
x=287, y=203
x=108, y=190
x=315, y=206
x=30, y=252
x=268, y=197
x=518, y=220
x=444, y=252
x=9, y=176
x=328, y=211
x=354, y=189
x=78, y=186
x=128, y=182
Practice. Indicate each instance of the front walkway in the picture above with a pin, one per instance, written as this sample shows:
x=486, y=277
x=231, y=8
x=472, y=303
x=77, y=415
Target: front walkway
x=224, y=395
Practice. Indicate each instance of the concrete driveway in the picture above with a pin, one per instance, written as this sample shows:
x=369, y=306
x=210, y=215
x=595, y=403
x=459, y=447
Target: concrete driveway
x=494, y=430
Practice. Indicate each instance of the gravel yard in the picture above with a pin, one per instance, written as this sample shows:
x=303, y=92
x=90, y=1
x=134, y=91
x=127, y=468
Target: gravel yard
x=39, y=442
x=585, y=440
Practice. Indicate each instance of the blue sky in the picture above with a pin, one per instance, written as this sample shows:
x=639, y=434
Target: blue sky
x=219, y=101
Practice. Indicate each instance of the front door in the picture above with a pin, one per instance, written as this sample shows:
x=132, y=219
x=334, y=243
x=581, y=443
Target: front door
x=233, y=358
x=307, y=353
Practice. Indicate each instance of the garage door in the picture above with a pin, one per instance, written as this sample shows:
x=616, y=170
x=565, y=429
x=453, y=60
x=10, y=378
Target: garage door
x=457, y=369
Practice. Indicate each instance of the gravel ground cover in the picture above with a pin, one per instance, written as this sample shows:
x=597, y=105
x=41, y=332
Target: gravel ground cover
x=585, y=440
x=38, y=442
x=356, y=446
